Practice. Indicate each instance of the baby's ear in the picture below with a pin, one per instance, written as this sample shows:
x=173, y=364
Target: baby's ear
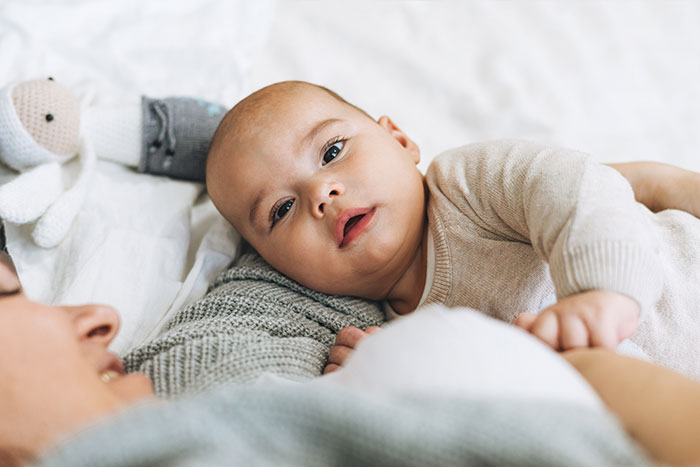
x=408, y=144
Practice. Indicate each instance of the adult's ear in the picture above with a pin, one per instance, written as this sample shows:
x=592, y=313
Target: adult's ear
x=412, y=148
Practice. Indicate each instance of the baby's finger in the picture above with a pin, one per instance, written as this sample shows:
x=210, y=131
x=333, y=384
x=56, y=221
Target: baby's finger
x=573, y=332
x=603, y=334
x=338, y=354
x=349, y=336
x=546, y=328
x=525, y=320
x=330, y=368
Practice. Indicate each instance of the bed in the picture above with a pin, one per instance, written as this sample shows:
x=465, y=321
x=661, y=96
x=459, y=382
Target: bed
x=616, y=79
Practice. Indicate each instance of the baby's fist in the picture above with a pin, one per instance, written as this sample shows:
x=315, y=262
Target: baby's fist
x=596, y=318
x=345, y=343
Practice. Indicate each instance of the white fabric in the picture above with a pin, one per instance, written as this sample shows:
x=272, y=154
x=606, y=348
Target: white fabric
x=25, y=197
x=140, y=243
x=52, y=227
x=460, y=352
x=116, y=131
x=616, y=79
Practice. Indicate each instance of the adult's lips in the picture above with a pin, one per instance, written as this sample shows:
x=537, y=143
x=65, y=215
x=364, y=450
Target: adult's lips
x=111, y=367
x=351, y=223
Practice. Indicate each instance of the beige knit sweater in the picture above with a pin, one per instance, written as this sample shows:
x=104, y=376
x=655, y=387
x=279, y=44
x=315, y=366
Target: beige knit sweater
x=514, y=222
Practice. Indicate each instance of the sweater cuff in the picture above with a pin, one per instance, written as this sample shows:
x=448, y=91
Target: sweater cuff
x=609, y=265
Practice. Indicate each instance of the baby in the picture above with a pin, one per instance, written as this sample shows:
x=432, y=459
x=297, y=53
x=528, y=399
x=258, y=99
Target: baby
x=543, y=237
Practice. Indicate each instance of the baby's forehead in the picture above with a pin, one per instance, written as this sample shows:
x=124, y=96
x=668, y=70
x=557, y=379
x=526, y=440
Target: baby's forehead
x=288, y=127
x=294, y=109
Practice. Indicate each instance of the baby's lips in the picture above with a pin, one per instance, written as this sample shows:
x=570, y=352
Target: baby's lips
x=343, y=219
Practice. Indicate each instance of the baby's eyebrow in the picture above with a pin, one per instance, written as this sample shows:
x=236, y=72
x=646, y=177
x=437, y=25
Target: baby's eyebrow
x=317, y=128
x=257, y=204
x=256, y=207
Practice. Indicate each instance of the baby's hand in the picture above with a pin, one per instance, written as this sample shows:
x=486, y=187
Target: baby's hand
x=596, y=318
x=345, y=343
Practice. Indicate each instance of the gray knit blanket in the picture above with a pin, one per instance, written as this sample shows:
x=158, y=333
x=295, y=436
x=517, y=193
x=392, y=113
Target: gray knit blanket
x=253, y=320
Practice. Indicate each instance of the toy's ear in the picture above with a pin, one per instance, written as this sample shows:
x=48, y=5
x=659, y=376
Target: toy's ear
x=40, y=123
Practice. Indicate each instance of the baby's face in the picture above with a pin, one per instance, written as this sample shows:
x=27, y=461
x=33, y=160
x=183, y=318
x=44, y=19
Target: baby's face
x=325, y=194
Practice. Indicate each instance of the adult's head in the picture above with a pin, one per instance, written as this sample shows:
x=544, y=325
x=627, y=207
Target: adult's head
x=327, y=195
x=57, y=373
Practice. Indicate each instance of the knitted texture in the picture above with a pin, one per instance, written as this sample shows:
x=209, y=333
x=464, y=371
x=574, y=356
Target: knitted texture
x=29, y=195
x=177, y=132
x=514, y=222
x=253, y=320
x=18, y=148
x=49, y=113
x=116, y=131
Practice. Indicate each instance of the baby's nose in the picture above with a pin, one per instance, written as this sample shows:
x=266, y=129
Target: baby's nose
x=319, y=207
x=323, y=193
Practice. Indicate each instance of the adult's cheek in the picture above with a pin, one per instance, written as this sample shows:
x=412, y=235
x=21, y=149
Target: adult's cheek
x=132, y=387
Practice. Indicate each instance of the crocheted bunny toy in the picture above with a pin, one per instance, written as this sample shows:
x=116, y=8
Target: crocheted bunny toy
x=39, y=131
x=42, y=126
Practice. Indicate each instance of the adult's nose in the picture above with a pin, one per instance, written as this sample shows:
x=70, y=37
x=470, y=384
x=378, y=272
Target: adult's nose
x=95, y=323
x=323, y=193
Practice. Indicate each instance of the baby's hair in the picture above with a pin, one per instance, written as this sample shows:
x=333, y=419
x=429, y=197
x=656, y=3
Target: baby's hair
x=254, y=102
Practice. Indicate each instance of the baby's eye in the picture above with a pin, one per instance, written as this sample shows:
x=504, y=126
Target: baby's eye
x=280, y=211
x=332, y=151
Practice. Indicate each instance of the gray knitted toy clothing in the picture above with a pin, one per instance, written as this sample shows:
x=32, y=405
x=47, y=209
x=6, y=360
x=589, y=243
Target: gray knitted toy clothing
x=253, y=320
x=177, y=132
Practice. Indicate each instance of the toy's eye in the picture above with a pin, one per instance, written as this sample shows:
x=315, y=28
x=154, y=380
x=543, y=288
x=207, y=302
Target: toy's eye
x=49, y=117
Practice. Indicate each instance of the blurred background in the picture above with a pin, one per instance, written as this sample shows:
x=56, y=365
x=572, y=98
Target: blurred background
x=618, y=79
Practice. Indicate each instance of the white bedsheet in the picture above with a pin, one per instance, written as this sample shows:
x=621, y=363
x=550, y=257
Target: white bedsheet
x=145, y=245
x=617, y=79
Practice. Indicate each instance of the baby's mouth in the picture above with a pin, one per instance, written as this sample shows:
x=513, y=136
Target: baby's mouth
x=351, y=223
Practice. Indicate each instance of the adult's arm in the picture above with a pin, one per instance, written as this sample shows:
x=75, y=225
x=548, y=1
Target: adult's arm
x=658, y=407
x=662, y=186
